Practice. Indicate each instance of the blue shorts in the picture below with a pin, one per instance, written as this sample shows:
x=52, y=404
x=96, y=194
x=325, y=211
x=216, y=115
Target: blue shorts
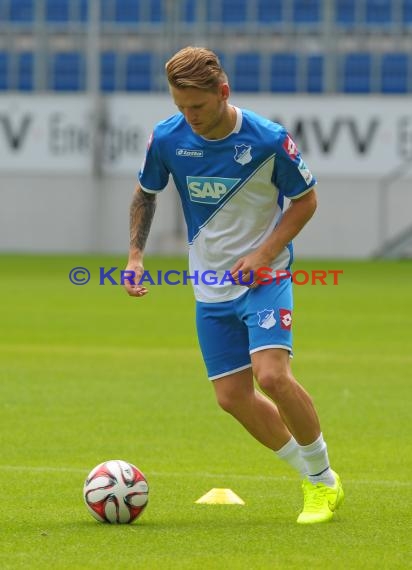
x=231, y=331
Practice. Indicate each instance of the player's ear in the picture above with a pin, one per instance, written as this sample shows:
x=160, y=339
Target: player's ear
x=224, y=91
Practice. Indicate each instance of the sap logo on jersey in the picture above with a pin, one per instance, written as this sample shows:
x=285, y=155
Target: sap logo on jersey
x=209, y=189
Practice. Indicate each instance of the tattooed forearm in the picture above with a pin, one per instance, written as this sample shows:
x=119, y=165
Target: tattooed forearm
x=142, y=210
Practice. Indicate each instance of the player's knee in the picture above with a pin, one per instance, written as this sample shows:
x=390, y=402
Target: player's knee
x=225, y=403
x=276, y=384
x=230, y=401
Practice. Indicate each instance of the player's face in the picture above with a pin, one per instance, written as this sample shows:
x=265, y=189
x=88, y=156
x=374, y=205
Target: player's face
x=207, y=112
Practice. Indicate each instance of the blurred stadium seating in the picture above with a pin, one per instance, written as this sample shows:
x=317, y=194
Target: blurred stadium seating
x=296, y=46
x=357, y=73
x=67, y=71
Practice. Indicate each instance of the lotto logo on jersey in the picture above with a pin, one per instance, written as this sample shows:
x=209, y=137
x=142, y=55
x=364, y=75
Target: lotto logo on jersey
x=189, y=153
x=285, y=319
x=290, y=147
x=209, y=189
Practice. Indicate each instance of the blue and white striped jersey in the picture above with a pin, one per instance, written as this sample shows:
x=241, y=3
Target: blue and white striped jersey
x=232, y=190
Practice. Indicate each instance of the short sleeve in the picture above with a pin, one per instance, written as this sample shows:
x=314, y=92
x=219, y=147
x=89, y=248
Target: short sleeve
x=291, y=175
x=153, y=175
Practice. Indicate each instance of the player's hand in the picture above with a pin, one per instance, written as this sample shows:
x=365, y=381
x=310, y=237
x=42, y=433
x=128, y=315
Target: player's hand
x=132, y=284
x=247, y=268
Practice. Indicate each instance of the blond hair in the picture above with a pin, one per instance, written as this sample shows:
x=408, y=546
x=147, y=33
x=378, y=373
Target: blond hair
x=195, y=67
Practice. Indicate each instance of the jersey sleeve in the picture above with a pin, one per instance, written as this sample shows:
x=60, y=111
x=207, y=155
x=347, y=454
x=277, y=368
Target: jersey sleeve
x=153, y=175
x=291, y=175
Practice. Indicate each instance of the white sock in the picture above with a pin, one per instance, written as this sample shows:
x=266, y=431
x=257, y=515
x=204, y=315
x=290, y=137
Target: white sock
x=290, y=453
x=315, y=458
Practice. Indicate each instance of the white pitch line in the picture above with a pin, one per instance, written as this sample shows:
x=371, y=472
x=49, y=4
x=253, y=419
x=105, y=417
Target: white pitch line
x=206, y=475
x=35, y=469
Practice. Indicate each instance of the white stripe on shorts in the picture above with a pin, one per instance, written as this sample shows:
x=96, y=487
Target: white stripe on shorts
x=229, y=372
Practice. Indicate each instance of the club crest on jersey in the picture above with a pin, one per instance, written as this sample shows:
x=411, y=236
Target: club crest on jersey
x=266, y=318
x=243, y=153
x=209, y=189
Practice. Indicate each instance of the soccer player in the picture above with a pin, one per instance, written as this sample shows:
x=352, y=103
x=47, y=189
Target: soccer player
x=233, y=169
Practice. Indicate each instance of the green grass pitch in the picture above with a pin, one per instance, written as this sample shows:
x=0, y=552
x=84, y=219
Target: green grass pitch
x=88, y=374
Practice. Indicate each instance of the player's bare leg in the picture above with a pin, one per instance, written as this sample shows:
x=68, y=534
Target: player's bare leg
x=272, y=370
x=322, y=488
x=237, y=395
